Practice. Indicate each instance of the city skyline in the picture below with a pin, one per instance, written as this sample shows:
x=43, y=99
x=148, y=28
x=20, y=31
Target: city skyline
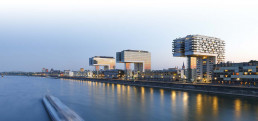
x=63, y=35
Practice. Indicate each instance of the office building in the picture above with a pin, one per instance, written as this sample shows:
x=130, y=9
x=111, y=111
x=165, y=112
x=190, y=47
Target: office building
x=107, y=62
x=202, y=53
x=140, y=59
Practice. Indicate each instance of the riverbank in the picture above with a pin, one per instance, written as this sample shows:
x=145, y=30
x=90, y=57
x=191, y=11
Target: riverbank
x=205, y=88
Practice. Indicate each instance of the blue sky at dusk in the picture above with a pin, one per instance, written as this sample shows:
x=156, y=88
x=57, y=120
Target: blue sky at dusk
x=63, y=34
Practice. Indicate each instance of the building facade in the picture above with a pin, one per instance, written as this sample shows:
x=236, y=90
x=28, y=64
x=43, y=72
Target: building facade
x=107, y=62
x=245, y=73
x=202, y=53
x=114, y=74
x=140, y=59
x=85, y=73
x=172, y=74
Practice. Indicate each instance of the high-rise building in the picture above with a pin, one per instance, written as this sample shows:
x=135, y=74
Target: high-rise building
x=202, y=53
x=107, y=62
x=140, y=59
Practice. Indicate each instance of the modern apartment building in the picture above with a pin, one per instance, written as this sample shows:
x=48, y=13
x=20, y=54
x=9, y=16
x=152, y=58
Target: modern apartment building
x=107, y=62
x=140, y=59
x=245, y=73
x=202, y=53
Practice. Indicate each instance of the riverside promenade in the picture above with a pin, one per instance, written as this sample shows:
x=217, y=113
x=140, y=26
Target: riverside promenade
x=205, y=88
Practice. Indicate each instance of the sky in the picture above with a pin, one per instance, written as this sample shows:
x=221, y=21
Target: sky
x=63, y=34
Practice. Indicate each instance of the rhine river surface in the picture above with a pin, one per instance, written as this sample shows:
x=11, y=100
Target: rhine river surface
x=21, y=100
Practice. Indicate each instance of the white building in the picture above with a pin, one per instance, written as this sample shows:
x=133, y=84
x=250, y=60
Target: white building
x=202, y=53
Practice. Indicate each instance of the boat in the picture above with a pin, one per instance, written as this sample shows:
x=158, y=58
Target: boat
x=59, y=111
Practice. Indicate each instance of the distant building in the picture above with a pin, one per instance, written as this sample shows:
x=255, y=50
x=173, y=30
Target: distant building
x=183, y=67
x=86, y=73
x=202, y=53
x=98, y=74
x=245, y=73
x=68, y=73
x=140, y=59
x=114, y=74
x=55, y=73
x=82, y=69
x=107, y=62
x=43, y=70
x=172, y=74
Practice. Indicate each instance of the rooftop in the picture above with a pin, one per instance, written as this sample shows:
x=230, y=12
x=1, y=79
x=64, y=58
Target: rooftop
x=136, y=51
x=103, y=57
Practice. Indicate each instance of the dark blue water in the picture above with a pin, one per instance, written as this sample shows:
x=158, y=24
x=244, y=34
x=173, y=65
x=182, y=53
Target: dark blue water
x=21, y=100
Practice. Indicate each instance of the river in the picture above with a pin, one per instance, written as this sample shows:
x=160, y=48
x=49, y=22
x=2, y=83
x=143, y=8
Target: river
x=21, y=100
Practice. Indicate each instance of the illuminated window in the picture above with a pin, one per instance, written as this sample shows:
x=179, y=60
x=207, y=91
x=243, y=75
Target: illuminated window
x=204, y=62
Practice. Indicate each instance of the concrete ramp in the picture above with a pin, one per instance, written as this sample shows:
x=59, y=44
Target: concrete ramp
x=59, y=111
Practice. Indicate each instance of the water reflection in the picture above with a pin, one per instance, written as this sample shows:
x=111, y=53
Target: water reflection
x=199, y=105
x=151, y=94
x=188, y=106
x=237, y=109
x=142, y=95
x=115, y=102
x=162, y=97
x=185, y=105
x=173, y=101
x=215, y=106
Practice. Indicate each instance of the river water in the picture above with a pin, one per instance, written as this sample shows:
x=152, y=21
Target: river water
x=21, y=100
